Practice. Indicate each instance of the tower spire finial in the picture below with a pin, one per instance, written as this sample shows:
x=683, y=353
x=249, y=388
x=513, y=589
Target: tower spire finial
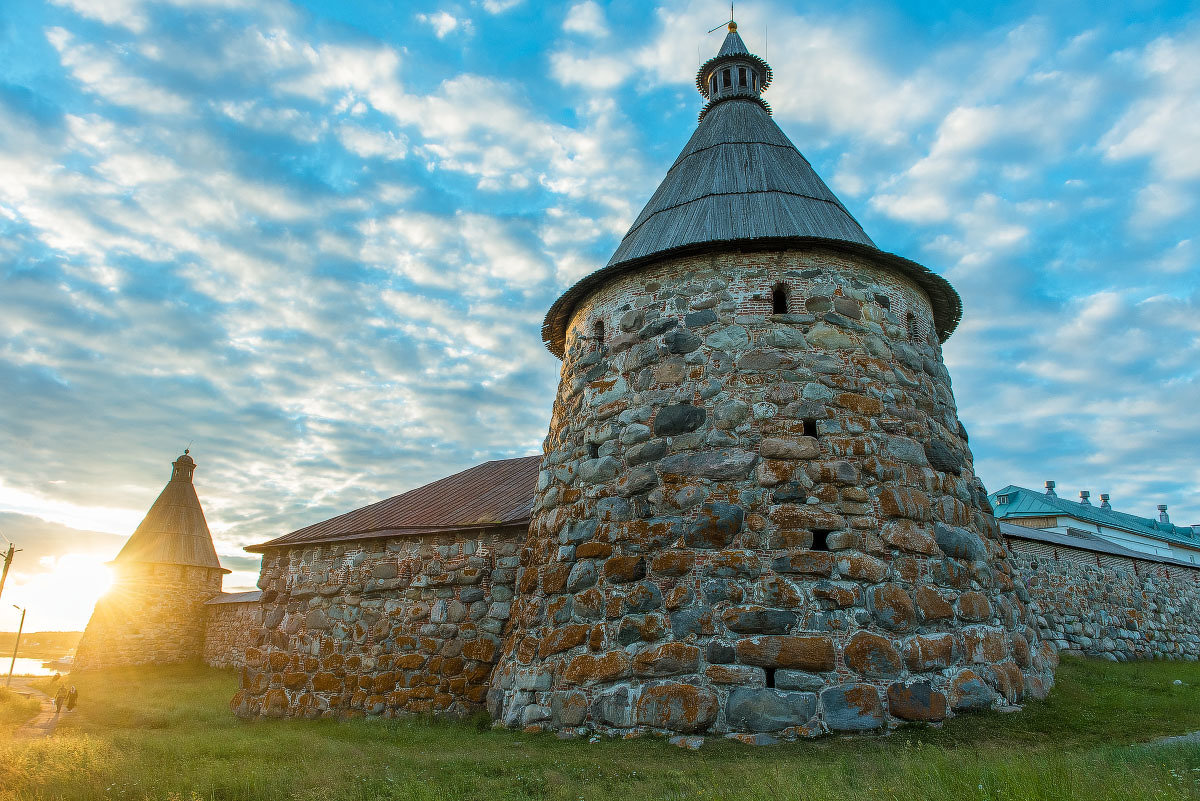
x=734, y=72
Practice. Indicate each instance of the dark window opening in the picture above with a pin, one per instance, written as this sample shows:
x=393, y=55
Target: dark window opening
x=742, y=77
x=598, y=333
x=754, y=80
x=779, y=300
x=712, y=84
x=593, y=450
x=810, y=427
x=770, y=676
x=726, y=79
x=821, y=539
x=914, y=332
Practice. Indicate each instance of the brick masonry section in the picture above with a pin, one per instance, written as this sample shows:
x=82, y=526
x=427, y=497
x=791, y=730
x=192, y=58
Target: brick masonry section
x=763, y=525
x=153, y=615
x=228, y=629
x=1111, y=606
x=382, y=627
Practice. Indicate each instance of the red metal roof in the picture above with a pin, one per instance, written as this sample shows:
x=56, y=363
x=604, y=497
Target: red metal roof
x=494, y=493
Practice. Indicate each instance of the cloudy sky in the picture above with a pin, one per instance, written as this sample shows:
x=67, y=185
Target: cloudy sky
x=315, y=240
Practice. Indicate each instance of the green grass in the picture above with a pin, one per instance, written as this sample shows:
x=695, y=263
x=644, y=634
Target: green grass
x=167, y=734
x=15, y=709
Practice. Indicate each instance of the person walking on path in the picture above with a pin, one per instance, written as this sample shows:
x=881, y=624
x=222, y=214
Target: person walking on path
x=59, y=697
x=72, y=697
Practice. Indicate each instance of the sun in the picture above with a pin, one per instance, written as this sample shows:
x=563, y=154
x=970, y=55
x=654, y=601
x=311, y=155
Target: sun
x=88, y=576
x=63, y=591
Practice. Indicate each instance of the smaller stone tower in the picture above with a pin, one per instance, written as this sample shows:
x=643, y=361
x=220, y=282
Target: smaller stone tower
x=154, y=613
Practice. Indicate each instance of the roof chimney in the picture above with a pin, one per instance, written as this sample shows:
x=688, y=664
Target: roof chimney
x=1162, y=513
x=1084, y=495
x=1104, y=504
x=1050, y=489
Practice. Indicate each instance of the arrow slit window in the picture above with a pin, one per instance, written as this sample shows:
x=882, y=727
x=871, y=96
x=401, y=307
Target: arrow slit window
x=779, y=299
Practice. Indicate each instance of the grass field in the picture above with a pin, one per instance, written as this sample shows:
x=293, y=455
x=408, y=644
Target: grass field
x=15, y=709
x=167, y=734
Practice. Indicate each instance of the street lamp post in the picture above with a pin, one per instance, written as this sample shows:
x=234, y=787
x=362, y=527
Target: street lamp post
x=20, y=628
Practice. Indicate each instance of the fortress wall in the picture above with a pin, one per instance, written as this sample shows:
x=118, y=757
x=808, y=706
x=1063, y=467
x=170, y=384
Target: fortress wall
x=153, y=615
x=1110, y=606
x=380, y=627
x=756, y=524
x=229, y=628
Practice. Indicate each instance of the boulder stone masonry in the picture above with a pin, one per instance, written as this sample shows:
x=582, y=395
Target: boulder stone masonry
x=754, y=523
x=1111, y=607
x=227, y=630
x=383, y=627
x=153, y=615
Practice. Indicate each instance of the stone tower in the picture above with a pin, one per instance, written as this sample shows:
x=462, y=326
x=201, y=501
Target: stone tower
x=756, y=512
x=154, y=614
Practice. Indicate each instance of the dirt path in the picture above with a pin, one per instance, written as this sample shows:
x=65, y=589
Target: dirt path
x=42, y=725
x=1183, y=739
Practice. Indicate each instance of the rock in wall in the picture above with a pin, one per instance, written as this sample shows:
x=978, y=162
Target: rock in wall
x=229, y=628
x=751, y=523
x=381, y=627
x=1110, y=606
x=153, y=615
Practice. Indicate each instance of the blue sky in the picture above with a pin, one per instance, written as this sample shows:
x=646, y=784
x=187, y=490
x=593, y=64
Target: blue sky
x=316, y=240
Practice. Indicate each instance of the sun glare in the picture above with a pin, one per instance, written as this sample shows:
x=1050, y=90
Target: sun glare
x=61, y=594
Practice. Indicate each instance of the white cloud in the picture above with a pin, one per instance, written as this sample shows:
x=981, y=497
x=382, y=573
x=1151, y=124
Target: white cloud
x=102, y=74
x=335, y=273
x=586, y=18
x=128, y=13
x=593, y=72
x=370, y=143
x=442, y=22
x=1163, y=126
x=500, y=6
x=1158, y=203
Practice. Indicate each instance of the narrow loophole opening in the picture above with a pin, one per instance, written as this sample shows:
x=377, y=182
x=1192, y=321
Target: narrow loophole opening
x=779, y=300
x=593, y=450
x=820, y=539
x=914, y=331
x=810, y=427
x=770, y=676
x=598, y=333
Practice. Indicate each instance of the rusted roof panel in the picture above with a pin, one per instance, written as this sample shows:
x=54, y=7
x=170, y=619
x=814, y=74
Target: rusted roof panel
x=491, y=494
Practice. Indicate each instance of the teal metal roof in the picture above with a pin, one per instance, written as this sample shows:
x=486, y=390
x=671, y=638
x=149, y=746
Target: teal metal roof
x=1024, y=502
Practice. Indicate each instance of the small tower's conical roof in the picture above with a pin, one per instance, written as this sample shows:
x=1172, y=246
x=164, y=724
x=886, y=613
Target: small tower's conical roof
x=174, y=531
x=740, y=182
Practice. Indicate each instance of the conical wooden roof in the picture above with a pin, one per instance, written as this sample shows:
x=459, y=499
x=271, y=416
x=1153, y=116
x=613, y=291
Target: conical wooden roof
x=740, y=183
x=174, y=531
x=739, y=177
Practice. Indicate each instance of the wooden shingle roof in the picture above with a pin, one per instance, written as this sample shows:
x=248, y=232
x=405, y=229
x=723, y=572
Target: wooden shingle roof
x=174, y=531
x=740, y=184
x=498, y=493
